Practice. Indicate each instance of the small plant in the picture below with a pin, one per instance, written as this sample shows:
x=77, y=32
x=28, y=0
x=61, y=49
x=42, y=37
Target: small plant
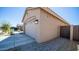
x=6, y=28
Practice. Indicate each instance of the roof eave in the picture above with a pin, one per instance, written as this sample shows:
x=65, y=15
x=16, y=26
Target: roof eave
x=56, y=15
x=50, y=11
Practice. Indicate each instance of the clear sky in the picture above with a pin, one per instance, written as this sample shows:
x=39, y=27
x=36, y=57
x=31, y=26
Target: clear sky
x=14, y=15
x=70, y=14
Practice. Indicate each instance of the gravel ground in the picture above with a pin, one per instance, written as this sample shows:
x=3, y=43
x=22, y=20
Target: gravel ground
x=59, y=44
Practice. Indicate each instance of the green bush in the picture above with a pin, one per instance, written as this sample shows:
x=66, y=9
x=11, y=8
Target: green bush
x=6, y=28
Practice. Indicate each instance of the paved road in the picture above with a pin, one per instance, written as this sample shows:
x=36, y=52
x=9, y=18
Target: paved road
x=14, y=41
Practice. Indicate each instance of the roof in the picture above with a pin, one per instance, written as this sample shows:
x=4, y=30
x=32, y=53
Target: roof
x=47, y=10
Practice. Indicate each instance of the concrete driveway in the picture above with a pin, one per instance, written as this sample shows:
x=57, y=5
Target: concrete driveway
x=14, y=41
x=21, y=42
x=59, y=44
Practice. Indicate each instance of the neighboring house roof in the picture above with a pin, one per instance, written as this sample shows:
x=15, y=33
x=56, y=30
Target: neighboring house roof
x=47, y=10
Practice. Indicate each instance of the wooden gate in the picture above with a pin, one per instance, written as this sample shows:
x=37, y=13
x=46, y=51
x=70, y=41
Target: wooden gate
x=65, y=31
x=76, y=32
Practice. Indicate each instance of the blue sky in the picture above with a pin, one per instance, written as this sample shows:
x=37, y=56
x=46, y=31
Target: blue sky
x=14, y=15
x=70, y=14
x=11, y=15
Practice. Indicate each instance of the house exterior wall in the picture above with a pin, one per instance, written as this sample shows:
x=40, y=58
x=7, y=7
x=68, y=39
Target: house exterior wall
x=32, y=13
x=30, y=28
x=49, y=26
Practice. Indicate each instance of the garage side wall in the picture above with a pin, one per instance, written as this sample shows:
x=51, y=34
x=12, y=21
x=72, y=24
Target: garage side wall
x=30, y=28
x=49, y=26
x=32, y=13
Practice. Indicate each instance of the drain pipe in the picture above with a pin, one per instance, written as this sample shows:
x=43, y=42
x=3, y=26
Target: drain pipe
x=71, y=32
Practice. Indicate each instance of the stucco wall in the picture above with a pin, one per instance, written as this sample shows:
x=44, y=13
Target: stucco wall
x=31, y=28
x=49, y=26
x=32, y=13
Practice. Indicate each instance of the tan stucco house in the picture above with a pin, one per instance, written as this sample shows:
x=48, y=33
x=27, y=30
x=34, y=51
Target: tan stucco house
x=42, y=23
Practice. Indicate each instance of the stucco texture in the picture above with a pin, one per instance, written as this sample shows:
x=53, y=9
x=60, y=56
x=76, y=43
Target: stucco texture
x=48, y=26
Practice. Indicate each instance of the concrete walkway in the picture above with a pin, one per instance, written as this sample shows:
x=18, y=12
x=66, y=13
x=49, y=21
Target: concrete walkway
x=59, y=44
x=14, y=41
